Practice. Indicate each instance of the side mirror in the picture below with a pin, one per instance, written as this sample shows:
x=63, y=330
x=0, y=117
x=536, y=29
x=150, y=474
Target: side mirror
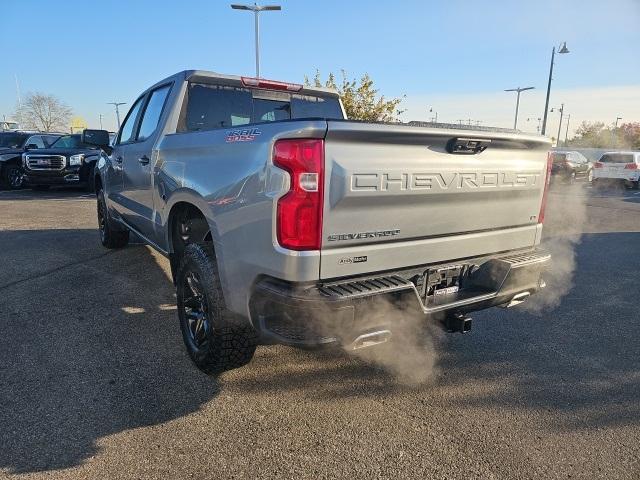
x=32, y=146
x=97, y=138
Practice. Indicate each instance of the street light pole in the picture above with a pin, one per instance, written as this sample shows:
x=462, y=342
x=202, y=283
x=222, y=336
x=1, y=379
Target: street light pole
x=515, y=121
x=560, y=124
x=614, y=134
x=117, y=104
x=563, y=49
x=256, y=9
x=566, y=132
x=100, y=115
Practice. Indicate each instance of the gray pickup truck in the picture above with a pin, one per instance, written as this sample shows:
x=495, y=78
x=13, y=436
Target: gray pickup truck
x=286, y=223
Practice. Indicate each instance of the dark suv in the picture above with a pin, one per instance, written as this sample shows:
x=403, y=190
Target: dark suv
x=570, y=166
x=12, y=146
x=67, y=162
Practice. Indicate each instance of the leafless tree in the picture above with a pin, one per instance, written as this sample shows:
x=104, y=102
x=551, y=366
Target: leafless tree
x=43, y=112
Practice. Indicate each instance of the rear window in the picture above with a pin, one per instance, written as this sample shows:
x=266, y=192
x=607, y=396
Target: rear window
x=221, y=106
x=617, y=158
x=558, y=157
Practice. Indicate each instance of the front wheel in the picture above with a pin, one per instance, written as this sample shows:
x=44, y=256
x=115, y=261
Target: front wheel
x=13, y=177
x=216, y=341
x=109, y=237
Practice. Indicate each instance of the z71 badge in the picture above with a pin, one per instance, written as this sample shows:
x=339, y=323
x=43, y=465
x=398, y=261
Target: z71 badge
x=348, y=260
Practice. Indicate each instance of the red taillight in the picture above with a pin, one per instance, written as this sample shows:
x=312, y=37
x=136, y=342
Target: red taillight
x=547, y=180
x=598, y=165
x=299, y=217
x=631, y=166
x=270, y=84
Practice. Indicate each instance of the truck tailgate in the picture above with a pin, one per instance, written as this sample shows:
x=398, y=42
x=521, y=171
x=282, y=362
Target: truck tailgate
x=395, y=196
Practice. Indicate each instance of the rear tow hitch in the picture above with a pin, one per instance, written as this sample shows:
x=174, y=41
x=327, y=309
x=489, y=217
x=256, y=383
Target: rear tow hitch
x=457, y=322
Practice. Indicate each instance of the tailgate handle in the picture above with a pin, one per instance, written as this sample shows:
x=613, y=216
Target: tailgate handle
x=467, y=146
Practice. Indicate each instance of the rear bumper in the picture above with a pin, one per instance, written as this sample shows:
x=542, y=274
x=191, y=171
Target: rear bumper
x=340, y=311
x=629, y=175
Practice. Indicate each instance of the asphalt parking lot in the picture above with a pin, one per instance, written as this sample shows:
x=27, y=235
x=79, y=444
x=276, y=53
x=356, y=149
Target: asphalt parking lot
x=95, y=383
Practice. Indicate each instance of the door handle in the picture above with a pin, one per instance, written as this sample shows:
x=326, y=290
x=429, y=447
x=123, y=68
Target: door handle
x=144, y=160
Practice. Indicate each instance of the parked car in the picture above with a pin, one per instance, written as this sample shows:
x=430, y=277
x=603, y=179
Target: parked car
x=68, y=161
x=284, y=222
x=618, y=167
x=12, y=146
x=569, y=166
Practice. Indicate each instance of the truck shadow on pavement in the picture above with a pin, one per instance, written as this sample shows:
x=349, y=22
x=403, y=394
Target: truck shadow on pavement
x=90, y=347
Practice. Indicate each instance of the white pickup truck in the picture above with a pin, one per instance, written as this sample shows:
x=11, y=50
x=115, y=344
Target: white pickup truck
x=285, y=222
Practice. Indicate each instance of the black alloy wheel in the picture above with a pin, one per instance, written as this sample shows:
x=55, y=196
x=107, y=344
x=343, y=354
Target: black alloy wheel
x=195, y=311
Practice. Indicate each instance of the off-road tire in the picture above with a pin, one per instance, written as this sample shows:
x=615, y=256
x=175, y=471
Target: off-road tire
x=228, y=342
x=109, y=236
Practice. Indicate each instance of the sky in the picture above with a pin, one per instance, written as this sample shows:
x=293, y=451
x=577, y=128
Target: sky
x=452, y=56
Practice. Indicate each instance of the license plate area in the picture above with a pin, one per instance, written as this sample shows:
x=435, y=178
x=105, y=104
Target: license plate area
x=442, y=281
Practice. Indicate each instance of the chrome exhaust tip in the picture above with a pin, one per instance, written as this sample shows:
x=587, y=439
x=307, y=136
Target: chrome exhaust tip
x=516, y=300
x=369, y=340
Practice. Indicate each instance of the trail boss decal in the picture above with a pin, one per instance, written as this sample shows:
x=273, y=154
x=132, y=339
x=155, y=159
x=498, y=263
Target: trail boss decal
x=244, y=135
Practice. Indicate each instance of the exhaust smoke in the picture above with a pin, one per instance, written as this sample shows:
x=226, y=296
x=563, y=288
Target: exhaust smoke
x=393, y=336
x=566, y=221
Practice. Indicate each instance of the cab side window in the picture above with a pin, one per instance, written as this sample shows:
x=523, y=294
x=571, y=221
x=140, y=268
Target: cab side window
x=127, y=133
x=152, y=112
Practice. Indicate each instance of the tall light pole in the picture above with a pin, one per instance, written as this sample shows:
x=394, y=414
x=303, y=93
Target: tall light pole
x=566, y=132
x=559, y=124
x=561, y=50
x=15, y=75
x=614, y=133
x=256, y=9
x=117, y=104
x=436, y=117
x=100, y=116
x=515, y=121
